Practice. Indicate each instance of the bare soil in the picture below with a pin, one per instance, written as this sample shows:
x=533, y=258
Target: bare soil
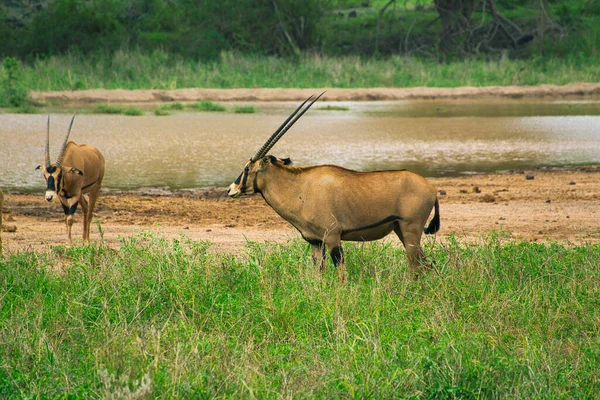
x=557, y=204
x=278, y=94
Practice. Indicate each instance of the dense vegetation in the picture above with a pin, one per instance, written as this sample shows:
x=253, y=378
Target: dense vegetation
x=167, y=319
x=203, y=30
x=168, y=44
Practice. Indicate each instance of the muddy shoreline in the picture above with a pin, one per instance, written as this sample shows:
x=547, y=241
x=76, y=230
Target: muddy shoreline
x=332, y=94
x=556, y=204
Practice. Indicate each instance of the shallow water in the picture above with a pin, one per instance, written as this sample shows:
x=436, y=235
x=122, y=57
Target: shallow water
x=433, y=138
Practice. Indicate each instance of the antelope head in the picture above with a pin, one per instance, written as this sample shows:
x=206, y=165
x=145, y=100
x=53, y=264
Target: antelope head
x=245, y=184
x=53, y=172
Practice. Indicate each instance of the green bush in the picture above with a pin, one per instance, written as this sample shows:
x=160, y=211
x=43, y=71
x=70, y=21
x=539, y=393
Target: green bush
x=207, y=105
x=12, y=89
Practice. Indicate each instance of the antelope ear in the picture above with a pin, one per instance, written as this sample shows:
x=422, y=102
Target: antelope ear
x=74, y=170
x=38, y=167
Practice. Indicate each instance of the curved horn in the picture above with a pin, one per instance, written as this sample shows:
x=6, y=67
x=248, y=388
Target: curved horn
x=280, y=134
x=47, y=151
x=261, y=152
x=64, y=146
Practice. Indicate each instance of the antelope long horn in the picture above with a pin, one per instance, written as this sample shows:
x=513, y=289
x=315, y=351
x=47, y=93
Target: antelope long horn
x=47, y=152
x=280, y=134
x=64, y=145
x=265, y=147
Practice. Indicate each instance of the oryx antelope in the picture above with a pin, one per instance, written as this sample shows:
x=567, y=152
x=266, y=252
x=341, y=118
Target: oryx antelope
x=328, y=203
x=78, y=171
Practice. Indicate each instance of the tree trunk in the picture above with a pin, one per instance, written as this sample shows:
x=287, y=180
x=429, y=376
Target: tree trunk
x=456, y=19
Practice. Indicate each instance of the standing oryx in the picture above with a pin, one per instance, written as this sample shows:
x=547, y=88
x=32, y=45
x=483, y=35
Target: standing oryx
x=328, y=204
x=78, y=171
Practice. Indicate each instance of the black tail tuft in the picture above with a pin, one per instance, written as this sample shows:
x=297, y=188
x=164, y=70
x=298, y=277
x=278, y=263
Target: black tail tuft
x=434, y=225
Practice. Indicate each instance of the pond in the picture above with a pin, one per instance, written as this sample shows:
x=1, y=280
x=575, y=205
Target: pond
x=194, y=150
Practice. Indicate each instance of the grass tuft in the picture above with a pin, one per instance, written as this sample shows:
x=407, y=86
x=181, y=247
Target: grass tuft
x=108, y=109
x=244, y=109
x=334, y=108
x=207, y=105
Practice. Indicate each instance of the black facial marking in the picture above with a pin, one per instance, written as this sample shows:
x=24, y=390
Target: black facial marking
x=255, y=185
x=244, y=180
x=51, y=169
x=337, y=255
x=375, y=225
x=51, y=183
x=272, y=159
x=286, y=161
x=239, y=179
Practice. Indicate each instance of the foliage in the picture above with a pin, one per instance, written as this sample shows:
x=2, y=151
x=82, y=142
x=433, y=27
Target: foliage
x=171, y=319
x=38, y=29
x=12, y=89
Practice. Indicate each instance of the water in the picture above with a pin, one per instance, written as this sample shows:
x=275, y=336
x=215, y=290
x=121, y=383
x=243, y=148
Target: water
x=433, y=138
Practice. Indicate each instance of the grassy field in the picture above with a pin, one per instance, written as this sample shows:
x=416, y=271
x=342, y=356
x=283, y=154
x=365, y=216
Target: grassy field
x=161, y=318
x=162, y=71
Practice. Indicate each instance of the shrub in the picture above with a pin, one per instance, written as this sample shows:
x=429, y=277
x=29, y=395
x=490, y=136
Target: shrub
x=12, y=89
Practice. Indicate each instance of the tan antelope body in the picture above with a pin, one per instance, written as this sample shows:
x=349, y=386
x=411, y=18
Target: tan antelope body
x=77, y=173
x=329, y=204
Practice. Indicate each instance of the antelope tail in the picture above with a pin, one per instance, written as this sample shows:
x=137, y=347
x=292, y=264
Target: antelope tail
x=434, y=225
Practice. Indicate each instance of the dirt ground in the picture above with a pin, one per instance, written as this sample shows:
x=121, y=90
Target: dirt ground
x=265, y=94
x=557, y=204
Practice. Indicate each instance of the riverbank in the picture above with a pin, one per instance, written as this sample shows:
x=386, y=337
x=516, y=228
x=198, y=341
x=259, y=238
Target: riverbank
x=558, y=205
x=69, y=97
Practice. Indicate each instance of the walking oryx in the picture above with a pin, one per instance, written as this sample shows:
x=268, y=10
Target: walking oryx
x=78, y=171
x=328, y=204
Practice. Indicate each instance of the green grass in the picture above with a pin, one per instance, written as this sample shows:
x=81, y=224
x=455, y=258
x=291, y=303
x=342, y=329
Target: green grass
x=161, y=112
x=108, y=109
x=334, y=108
x=207, y=105
x=244, y=109
x=111, y=109
x=503, y=319
x=132, y=111
x=146, y=71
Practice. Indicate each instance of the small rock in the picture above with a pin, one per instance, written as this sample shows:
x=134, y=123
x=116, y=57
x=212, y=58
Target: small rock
x=209, y=230
x=572, y=183
x=476, y=189
x=529, y=177
x=186, y=227
x=487, y=198
x=353, y=14
x=463, y=191
x=9, y=228
x=442, y=192
x=548, y=201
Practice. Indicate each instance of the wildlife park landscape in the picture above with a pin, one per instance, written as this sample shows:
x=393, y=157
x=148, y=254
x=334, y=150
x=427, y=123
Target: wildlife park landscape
x=282, y=199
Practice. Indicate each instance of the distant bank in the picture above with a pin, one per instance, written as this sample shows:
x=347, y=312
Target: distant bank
x=286, y=94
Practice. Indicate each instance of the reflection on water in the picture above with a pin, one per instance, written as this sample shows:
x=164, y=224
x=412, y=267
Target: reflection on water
x=189, y=150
